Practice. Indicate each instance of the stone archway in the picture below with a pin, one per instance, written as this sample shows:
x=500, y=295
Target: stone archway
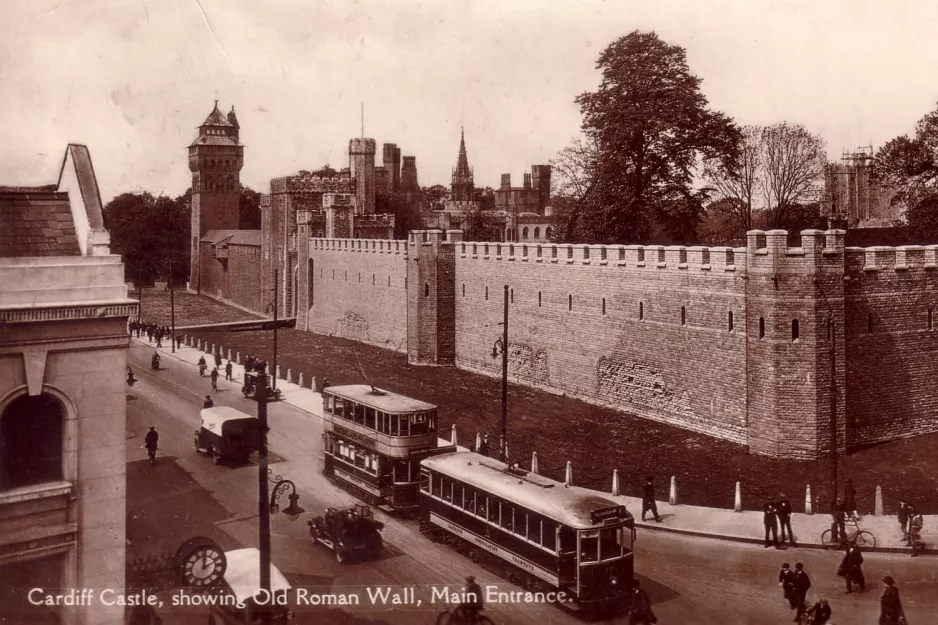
x=32, y=441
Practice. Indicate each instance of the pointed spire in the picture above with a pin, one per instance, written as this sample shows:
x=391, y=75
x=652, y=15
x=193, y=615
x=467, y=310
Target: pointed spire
x=462, y=185
x=232, y=118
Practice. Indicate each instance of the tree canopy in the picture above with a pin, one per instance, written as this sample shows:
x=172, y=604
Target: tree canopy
x=650, y=125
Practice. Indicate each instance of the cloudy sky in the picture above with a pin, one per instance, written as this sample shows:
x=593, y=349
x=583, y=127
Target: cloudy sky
x=133, y=78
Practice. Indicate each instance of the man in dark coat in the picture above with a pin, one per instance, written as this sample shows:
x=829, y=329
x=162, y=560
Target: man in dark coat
x=770, y=520
x=904, y=519
x=850, y=498
x=783, y=510
x=786, y=579
x=648, y=500
x=150, y=441
x=838, y=523
x=208, y=403
x=890, y=607
x=214, y=376
x=851, y=568
x=800, y=589
x=202, y=366
x=640, y=612
x=218, y=359
x=228, y=371
x=820, y=614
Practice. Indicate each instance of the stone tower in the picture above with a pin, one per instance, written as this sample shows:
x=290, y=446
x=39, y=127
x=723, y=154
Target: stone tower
x=463, y=187
x=215, y=160
x=361, y=159
x=541, y=182
x=409, y=175
x=392, y=162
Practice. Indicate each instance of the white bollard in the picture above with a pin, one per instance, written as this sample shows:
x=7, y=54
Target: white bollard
x=672, y=496
x=568, y=476
x=229, y=354
x=199, y=345
x=452, y=438
x=237, y=358
x=738, y=503
x=808, y=504
x=878, y=506
x=312, y=383
x=615, y=483
x=534, y=462
x=277, y=373
x=289, y=376
x=478, y=442
x=213, y=349
x=300, y=381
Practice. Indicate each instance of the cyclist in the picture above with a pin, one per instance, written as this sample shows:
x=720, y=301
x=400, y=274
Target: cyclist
x=208, y=403
x=473, y=604
x=215, y=379
x=150, y=442
x=202, y=366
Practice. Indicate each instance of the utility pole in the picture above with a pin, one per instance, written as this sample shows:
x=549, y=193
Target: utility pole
x=504, y=450
x=262, y=494
x=273, y=371
x=172, y=307
x=833, y=392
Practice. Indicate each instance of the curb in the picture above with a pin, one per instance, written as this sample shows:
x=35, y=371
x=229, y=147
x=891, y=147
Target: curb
x=660, y=527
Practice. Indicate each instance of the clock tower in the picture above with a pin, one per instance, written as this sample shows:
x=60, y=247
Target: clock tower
x=215, y=160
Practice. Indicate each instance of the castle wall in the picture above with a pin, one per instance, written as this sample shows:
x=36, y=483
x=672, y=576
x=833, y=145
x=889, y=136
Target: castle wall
x=575, y=326
x=356, y=290
x=892, y=350
x=237, y=278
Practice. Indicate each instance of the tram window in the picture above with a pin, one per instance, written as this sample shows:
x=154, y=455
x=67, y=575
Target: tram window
x=403, y=425
x=507, y=520
x=327, y=403
x=339, y=409
x=609, y=546
x=549, y=534
x=448, y=491
x=469, y=499
x=482, y=505
x=493, y=510
x=393, y=420
x=382, y=422
x=534, y=528
x=521, y=523
x=359, y=414
x=432, y=423
x=370, y=418
x=589, y=546
x=437, y=485
x=418, y=424
x=360, y=460
x=425, y=481
x=567, y=540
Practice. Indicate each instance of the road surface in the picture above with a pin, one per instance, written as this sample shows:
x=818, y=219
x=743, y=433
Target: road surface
x=690, y=580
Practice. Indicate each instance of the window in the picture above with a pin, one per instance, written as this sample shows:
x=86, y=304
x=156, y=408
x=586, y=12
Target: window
x=370, y=418
x=567, y=540
x=507, y=516
x=683, y=316
x=404, y=425
x=394, y=421
x=537, y=232
x=426, y=289
x=549, y=534
x=437, y=486
x=425, y=482
x=930, y=316
x=511, y=295
x=538, y=299
x=534, y=528
x=794, y=330
x=589, y=546
x=729, y=321
x=869, y=323
x=641, y=311
x=486, y=293
x=569, y=302
x=464, y=289
x=419, y=424
x=339, y=408
x=469, y=499
x=493, y=510
x=359, y=414
x=327, y=403
x=524, y=232
x=31, y=441
x=761, y=327
x=604, y=306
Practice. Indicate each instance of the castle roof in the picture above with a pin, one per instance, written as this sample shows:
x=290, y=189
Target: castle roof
x=217, y=118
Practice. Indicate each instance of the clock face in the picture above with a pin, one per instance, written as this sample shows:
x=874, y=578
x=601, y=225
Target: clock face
x=204, y=566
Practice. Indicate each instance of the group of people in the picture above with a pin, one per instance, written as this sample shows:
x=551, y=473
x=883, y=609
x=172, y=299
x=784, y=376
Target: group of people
x=253, y=363
x=911, y=523
x=229, y=370
x=795, y=584
x=776, y=513
x=152, y=331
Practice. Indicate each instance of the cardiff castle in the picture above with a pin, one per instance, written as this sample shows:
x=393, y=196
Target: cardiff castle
x=790, y=351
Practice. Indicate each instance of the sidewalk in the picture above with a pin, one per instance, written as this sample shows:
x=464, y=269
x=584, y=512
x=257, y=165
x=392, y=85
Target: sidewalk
x=724, y=524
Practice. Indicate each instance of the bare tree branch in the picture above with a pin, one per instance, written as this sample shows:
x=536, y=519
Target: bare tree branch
x=792, y=161
x=738, y=180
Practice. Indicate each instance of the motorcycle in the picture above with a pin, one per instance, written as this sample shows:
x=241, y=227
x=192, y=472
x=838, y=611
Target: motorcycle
x=155, y=363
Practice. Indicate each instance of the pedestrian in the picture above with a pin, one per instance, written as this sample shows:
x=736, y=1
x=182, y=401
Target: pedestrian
x=648, y=500
x=890, y=607
x=159, y=338
x=218, y=358
x=786, y=580
x=149, y=334
x=838, y=523
x=820, y=613
x=851, y=568
x=178, y=341
x=208, y=403
x=228, y=371
x=202, y=366
x=800, y=587
x=150, y=441
x=916, y=523
x=904, y=519
x=783, y=511
x=215, y=379
x=325, y=385
x=640, y=612
x=249, y=362
x=483, y=446
x=850, y=499
x=770, y=520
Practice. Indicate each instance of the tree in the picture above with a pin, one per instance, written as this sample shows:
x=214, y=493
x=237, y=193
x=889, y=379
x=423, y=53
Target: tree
x=485, y=197
x=792, y=161
x=650, y=125
x=406, y=216
x=478, y=224
x=737, y=180
x=249, y=209
x=435, y=197
x=571, y=180
x=147, y=232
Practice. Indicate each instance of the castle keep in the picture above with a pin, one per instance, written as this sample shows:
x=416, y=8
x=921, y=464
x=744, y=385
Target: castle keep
x=788, y=350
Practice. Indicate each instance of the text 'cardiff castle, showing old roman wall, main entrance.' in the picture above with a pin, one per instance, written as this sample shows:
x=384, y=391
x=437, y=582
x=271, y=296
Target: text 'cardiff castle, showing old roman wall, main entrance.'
x=783, y=349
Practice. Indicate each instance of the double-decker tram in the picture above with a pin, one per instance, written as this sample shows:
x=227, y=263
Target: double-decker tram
x=374, y=442
x=539, y=533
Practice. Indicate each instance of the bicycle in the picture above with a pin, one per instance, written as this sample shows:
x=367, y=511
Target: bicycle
x=455, y=617
x=864, y=539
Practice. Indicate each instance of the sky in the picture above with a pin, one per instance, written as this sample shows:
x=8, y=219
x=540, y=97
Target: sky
x=132, y=79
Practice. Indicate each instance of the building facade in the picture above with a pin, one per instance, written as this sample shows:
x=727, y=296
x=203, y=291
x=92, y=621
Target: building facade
x=852, y=197
x=63, y=342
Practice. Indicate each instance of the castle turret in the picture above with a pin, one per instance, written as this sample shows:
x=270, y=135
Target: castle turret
x=463, y=186
x=540, y=179
x=215, y=160
x=409, y=175
x=361, y=158
x=392, y=162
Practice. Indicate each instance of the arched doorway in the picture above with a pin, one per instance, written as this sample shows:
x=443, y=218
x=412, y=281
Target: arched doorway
x=31, y=441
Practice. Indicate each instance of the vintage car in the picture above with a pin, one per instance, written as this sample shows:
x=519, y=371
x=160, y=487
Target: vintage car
x=227, y=434
x=252, y=381
x=241, y=585
x=352, y=533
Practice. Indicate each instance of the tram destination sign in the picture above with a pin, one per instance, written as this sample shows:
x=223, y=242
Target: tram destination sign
x=615, y=512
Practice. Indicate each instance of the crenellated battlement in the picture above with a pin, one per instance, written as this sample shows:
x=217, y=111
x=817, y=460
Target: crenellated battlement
x=308, y=183
x=375, y=246
x=375, y=220
x=899, y=259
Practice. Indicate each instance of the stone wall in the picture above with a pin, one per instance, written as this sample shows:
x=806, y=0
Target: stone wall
x=236, y=278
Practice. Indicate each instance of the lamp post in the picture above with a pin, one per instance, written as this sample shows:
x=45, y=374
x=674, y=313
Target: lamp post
x=172, y=307
x=501, y=347
x=273, y=368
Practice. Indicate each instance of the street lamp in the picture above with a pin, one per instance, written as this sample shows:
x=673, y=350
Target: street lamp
x=280, y=487
x=501, y=347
